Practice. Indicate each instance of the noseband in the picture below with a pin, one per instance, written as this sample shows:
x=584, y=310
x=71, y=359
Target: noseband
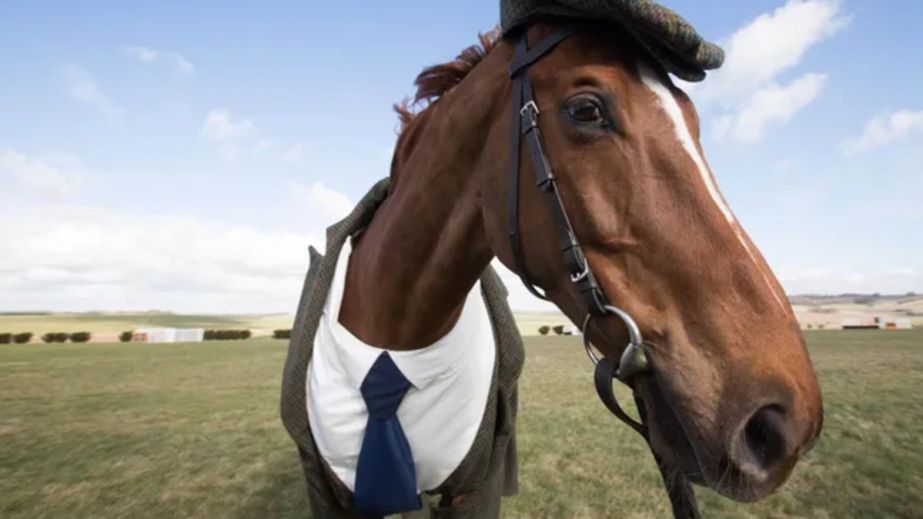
x=633, y=361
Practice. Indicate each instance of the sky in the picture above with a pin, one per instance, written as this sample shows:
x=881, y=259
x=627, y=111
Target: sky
x=182, y=156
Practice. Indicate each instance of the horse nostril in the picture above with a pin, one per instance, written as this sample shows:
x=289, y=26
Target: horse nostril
x=765, y=437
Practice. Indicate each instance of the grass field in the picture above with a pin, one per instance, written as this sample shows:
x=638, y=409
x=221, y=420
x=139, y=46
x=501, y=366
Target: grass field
x=193, y=431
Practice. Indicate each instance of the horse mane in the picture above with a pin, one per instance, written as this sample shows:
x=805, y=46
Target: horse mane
x=433, y=82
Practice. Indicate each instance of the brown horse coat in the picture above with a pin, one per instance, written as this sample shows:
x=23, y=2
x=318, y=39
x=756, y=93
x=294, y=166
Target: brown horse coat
x=487, y=472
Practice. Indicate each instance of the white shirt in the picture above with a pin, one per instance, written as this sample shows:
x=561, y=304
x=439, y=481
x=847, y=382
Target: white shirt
x=441, y=412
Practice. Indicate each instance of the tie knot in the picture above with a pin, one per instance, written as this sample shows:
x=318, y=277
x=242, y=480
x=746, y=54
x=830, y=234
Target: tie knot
x=383, y=388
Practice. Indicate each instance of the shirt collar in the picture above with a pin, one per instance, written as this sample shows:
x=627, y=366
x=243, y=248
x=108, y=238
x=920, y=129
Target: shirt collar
x=421, y=367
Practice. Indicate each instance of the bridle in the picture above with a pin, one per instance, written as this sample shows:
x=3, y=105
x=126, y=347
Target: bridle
x=633, y=361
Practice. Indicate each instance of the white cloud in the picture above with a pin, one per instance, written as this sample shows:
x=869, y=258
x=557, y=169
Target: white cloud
x=182, y=64
x=227, y=131
x=746, y=91
x=142, y=54
x=81, y=85
x=294, y=153
x=832, y=280
x=232, y=133
x=264, y=146
x=60, y=256
x=903, y=272
x=221, y=126
x=331, y=204
x=771, y=105
x=784, y=164
x=175, y=60
x=885, y=129
x=79, y=258
x=37, y=176
x=770, y=45
x=75, y=258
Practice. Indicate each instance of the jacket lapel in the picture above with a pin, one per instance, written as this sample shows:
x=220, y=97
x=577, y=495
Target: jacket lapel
x=293, y=406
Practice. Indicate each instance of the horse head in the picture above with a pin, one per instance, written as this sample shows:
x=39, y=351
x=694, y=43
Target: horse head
x=732, y=400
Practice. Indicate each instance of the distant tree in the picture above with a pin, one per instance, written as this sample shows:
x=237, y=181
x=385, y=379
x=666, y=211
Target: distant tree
x=282, y=334
x=6, y=338
x=126, y=336
x=80, y=337
x=22, y=338
x=544, y=330
x=52, y=337
x=227, y=335
x=558, y=330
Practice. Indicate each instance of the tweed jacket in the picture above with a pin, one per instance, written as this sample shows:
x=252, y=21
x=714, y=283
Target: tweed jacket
x=487, y=472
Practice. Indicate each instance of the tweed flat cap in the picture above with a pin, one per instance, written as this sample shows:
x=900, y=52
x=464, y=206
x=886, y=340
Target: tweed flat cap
x=667, y=36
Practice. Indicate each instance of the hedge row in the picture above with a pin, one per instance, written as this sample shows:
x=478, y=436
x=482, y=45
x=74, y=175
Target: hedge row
x=126, y=336
x=227, y=335
x=79, y=337
x=18, y=338
x=545, y=330
x=282, y=334
x=55, y=337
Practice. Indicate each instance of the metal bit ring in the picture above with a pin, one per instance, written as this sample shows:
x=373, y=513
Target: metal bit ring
x=633, y=358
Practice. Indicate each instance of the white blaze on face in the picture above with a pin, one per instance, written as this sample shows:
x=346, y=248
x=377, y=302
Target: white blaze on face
x=675, y=113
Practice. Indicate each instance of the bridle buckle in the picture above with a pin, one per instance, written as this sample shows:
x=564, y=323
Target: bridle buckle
x=530, y=107
x=580, y=276
x=528, y=116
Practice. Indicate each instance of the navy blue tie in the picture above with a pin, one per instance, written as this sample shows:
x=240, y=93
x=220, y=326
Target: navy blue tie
x=386, y=482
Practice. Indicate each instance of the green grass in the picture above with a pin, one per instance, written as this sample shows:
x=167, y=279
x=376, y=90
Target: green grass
x=193, y=431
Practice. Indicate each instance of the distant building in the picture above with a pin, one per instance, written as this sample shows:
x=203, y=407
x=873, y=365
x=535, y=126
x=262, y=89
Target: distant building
x=878, y=323
x=859, y=324
x=894, y=323
x=165, y=335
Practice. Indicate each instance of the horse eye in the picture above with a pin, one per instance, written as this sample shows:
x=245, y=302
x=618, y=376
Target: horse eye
x=586, y=110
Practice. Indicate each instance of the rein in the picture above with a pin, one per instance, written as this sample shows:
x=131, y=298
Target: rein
x=633, y=361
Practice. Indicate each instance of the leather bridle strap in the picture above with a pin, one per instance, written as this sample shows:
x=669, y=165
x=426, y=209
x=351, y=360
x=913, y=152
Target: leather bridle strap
x=606, y=371
x=524, y=124
x=524, y=60
x=679, y=490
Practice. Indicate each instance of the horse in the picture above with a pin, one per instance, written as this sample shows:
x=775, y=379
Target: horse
x=728, y=394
